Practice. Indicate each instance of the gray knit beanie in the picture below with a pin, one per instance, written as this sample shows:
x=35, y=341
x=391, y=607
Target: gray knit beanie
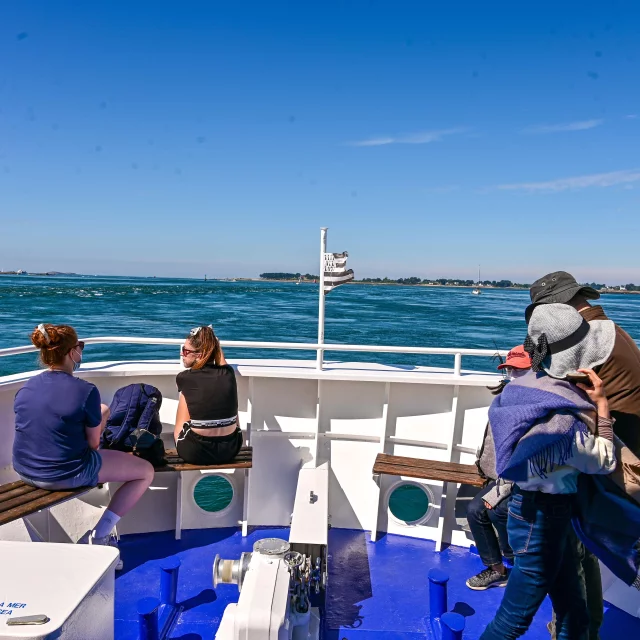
x=561, y=341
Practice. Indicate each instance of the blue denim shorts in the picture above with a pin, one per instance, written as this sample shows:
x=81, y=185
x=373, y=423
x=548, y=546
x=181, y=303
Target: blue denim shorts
x=88, y=477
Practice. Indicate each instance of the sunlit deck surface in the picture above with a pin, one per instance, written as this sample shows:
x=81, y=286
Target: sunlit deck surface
x=376, y=590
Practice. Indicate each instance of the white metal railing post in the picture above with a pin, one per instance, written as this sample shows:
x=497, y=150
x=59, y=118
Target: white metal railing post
x=321, y=299
x=457, y=364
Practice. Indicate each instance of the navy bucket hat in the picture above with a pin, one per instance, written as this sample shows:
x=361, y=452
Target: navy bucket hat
x=557, y=287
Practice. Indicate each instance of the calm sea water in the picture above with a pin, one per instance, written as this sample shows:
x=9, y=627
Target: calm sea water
x=356, y=314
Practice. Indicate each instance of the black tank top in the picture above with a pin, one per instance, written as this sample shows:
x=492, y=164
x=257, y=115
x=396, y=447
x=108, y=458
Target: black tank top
x=211, y=393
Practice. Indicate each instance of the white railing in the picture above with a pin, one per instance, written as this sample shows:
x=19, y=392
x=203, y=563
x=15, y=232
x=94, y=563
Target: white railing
x=300, y=346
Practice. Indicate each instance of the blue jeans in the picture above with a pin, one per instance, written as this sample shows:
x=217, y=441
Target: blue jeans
x=482, y=521
x=546, y=562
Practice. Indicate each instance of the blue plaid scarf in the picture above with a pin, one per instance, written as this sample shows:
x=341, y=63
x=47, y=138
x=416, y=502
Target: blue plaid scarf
x=534, y=422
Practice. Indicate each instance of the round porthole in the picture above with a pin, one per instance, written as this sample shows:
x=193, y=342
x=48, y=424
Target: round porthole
x=213, y=493
x=410, y=503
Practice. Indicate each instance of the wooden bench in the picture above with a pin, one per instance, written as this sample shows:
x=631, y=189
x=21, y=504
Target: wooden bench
x=428, y=469
x=19, y=499
x=243, y=460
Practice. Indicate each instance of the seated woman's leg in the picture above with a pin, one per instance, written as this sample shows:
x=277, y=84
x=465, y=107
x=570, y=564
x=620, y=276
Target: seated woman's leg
x=499, y=516
x=482, y=530
x=134, y=472
x=136, y=475
x=478, y=517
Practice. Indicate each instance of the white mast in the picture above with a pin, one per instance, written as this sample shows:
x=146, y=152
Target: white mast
x=323, y=249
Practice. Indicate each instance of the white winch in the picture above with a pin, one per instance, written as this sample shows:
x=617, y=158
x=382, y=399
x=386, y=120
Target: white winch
x=274, y=584
x=278, y=578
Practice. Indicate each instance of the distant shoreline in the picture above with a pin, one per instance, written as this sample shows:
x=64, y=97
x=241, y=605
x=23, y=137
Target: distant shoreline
x=402, y=284
x=295, y=280
x=48, y=273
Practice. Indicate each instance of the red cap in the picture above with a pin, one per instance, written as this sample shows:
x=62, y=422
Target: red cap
x=517, y=358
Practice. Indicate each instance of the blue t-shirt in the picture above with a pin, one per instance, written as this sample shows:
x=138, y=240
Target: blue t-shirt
x=52, y=411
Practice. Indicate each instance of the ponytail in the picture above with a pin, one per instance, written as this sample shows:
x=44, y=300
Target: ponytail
x=205, y=342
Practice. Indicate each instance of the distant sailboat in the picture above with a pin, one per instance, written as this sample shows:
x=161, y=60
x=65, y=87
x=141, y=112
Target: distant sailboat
x=299, y=280
x=476, y=291
x=205, y=277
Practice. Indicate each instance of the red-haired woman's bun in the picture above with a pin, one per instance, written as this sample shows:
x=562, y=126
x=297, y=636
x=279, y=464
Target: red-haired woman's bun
x=54, y=342
x=38, y=337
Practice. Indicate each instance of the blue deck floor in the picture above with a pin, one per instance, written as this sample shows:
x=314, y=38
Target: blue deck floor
x=376, y=590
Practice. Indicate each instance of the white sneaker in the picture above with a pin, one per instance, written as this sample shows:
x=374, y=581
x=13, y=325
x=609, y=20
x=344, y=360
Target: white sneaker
x=109, y=541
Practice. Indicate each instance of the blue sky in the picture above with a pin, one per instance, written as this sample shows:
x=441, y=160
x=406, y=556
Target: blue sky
x=165, y=138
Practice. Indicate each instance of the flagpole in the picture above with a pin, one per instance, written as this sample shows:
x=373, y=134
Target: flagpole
x=323, y=250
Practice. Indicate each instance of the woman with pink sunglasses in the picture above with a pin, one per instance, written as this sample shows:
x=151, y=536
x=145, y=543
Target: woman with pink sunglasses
x=207, y=430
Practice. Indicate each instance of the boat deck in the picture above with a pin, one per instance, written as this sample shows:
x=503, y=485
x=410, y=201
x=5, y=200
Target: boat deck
x=376, y=590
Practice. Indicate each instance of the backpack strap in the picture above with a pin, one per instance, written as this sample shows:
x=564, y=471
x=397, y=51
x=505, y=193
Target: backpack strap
x=481, y=451
x=151, y=406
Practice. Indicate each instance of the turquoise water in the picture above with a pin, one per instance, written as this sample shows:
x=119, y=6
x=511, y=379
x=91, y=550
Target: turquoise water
x=213, y=493
x=408, y=503
x=356, y=314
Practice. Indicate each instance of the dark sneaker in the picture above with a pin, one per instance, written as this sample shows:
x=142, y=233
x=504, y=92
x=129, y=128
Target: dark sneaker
x=487, y=579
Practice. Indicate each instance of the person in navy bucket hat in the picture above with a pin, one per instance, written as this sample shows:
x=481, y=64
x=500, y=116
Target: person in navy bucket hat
x=557, y=287
x=620, y=373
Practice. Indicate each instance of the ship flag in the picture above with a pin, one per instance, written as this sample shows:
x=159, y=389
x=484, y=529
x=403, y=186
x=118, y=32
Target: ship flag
x=335, y=270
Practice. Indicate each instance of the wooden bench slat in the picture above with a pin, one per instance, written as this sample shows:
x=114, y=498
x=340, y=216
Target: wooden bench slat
x=52, y=498
x=429, y=466
x=244, y=451
x=236, y=461
x=244, y=460
x=239, y=458
x=179, y=465
x=193, y=467
x=436, y=468
x=418, y=463
x=471, y=470
x=428, y=469
x=11, y=486
x=442, y=476
x=431, y=470
x=6, y=505
x=18, y=491
x=430, y=473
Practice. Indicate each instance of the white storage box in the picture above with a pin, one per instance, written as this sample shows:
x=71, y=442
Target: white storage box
x=72, y=584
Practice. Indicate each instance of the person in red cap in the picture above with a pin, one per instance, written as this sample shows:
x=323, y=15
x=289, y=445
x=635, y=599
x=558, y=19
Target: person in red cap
x=488, y=511
x=518, y=360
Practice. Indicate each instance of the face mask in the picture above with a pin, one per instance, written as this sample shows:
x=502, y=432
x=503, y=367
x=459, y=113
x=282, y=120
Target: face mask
x=76, y=365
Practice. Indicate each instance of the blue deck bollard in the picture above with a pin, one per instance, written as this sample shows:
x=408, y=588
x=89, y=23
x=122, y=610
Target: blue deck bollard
x=148, y=618
x=169, y=581
x=437, y=593
x=452, y=625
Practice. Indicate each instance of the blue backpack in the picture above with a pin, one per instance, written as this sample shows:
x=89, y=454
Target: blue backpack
x=134, y=424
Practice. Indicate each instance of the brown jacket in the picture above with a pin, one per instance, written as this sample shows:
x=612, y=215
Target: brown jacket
x=621, y=377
